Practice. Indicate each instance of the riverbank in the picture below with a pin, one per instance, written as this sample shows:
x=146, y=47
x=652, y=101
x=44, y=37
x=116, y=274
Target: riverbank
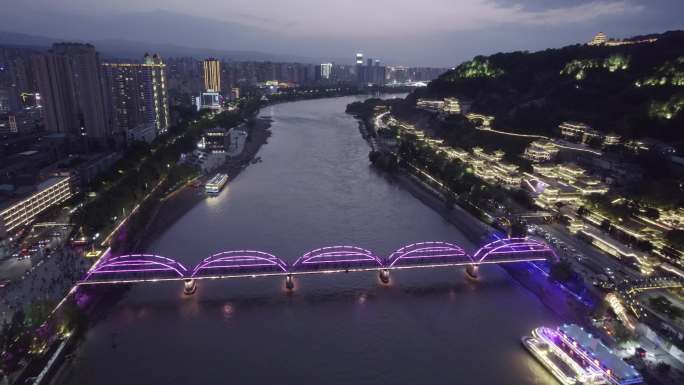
x=169, y=208
x=530, y=276
x=177, y=204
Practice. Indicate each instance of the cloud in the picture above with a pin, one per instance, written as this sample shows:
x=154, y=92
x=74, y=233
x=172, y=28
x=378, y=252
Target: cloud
x=440, y=32
x=519, y=14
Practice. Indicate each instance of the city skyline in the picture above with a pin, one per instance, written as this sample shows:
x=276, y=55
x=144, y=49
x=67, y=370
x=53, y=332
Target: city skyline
x=434, y=34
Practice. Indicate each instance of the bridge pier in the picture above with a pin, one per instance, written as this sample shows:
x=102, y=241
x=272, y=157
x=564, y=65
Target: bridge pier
x=190, y=286
x=471, y=272
x=289, y=282
x=384, y=276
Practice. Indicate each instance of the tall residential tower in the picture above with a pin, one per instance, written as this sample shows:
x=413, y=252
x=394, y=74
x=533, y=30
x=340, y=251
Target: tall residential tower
x=138, y=94
x=70, y=84
x=212, y=75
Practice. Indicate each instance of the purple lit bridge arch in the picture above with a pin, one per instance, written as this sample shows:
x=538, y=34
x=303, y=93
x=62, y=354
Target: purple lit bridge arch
x=136, y=268
x=333, y=259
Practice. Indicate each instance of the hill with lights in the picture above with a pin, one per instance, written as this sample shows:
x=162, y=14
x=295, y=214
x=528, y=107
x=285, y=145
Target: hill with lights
x=633, y=87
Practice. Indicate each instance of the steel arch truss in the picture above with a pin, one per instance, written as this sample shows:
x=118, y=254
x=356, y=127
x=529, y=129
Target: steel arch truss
x=427, y=254
x=239, y=263
x=135, y=268
x=336, y=258
x=513, y=250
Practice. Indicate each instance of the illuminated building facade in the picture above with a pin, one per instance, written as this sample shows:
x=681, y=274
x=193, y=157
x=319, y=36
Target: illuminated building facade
x=488, y=166
x=138, y=94
x=214, y=140
x=541, y=151
x=573, y=129
x=611, y=139
x=452, y=106
x=209, y=101
x=602, y=39
x=599, y=39
x=430, y=105
x=51, y=192
x=562, y=183
x=212, y=75
x=485, y=121
x=326, y=71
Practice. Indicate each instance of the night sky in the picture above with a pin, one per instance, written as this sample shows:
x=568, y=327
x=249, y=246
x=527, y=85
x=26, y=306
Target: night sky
x=410, y=32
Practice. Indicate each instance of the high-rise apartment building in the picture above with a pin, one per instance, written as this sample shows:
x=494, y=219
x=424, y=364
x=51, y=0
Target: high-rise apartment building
x=70, y=83
x=326, y=70
x=138, y=94
x=212, y=75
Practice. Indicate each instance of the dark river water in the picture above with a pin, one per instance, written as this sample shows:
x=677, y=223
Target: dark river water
x=315, y=188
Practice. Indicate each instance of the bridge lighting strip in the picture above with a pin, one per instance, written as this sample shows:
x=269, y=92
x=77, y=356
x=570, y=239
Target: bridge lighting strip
x=294, y=273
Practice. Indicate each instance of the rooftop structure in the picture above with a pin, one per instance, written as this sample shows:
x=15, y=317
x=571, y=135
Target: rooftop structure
x=541, y=151
x=483, y=120
x=430, y=105
x=452, y=106
x=599, y=39
x=565, y=182
x=611, y=139
x=488, y=166
x=573, y=129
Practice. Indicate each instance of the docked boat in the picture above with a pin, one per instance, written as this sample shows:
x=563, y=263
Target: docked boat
x=216, y=184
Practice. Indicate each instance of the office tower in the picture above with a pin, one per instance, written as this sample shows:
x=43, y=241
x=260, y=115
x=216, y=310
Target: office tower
x=71, y=89
x=326, y=70
x=359, y=59
x=212, y=75
x=138, y=94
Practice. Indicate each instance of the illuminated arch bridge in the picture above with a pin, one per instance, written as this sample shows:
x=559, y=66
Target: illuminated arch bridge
x=334, y=259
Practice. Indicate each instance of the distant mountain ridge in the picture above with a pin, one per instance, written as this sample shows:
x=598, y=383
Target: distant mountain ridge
x=126, y=49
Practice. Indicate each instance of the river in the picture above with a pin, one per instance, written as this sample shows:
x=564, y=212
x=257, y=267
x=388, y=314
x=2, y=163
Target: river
x=314, y=188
